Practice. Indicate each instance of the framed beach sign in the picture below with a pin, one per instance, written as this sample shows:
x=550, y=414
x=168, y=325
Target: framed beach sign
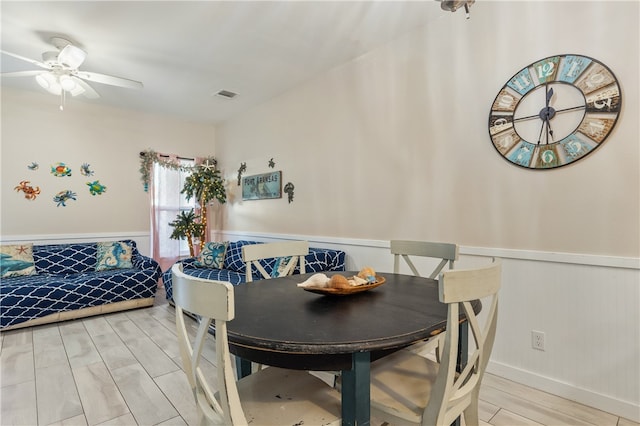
x=262, y=186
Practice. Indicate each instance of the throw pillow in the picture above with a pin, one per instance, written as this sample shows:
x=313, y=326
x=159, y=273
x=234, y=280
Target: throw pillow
x=17, y=260
x=114, y=255
x=212, y=255
x=278, y=267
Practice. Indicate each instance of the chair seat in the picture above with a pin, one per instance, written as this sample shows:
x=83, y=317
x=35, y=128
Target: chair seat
x=275, y=396
x=412, y=377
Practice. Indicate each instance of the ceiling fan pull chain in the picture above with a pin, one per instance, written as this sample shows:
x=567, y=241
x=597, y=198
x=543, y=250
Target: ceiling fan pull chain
x=62, y=95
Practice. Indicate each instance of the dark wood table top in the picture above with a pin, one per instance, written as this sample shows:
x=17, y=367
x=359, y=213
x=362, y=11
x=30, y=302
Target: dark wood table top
x=278, y=323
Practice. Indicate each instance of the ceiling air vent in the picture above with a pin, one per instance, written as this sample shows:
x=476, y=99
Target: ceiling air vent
x=226, y=94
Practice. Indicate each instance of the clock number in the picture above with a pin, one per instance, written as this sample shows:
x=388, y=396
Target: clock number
x=506, y=140
x=545, y=70
x=505, y=101
x=521, y=82
x=574, y=147
x=606, y=100
x=602, y=104
x=596, y=128
x=594, y=81
x=596, y=77
x=521, y=155
x=498, y=123
x=572, y=67
x=572, y=70
x=548, y=158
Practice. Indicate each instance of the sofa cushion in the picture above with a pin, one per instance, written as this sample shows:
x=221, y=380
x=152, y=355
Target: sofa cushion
x=212, y=255
x=233, y=259
x=16, y=260
x=279, y=265
x=113, y=255
x=65, y=258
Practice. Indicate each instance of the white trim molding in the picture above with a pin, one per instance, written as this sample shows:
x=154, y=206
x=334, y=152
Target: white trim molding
x=543, y=256
x=142, y=239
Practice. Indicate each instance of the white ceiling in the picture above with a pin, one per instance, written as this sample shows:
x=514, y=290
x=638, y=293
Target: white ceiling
x=185, y=52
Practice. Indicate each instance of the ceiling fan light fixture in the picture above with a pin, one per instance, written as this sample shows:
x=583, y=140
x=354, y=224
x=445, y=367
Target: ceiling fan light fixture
x=43, y=81
x=49, y=82
x=67, y=83
x=77, y=90
x=72, y=56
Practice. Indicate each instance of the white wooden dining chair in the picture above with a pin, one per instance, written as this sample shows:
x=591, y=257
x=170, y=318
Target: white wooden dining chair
x=271, y=396
x=290, y=254
x=447, y=253
x=410, y=389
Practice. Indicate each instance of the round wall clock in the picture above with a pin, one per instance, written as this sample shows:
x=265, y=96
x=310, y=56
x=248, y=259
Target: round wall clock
x=555, y=111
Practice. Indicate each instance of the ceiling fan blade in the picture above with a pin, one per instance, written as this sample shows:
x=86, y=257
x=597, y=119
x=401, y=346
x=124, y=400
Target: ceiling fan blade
x=31, y=61
x=21, y=73
x=89, y=92
x=109, y=79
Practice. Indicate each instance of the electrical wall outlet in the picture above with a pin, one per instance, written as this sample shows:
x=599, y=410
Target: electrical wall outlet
x=537, y=340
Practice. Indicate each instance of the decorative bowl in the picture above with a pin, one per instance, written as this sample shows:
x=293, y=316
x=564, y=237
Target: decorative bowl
x=346, y=291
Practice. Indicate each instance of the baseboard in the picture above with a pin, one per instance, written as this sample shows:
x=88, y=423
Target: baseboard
x=626, y=409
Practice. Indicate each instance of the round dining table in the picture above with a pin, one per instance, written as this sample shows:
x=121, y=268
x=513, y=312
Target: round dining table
x=280, y=324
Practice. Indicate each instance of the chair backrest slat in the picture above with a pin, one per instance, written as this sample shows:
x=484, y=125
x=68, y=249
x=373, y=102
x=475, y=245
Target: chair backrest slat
x=253, y=253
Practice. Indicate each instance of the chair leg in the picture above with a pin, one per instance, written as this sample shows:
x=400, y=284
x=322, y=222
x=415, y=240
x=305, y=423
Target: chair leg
x=471, y=412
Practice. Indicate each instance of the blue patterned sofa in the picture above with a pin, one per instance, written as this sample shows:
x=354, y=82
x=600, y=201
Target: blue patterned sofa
x=233, y=270
x=68, y=284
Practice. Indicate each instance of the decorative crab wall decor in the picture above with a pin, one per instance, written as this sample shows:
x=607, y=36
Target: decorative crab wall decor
x=85, y=169
x=63, y=196
x=96, y=188
x=272, y=163
x=30, y=193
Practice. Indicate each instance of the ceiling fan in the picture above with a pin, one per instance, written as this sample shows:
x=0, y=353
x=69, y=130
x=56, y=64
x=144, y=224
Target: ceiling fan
x=453, y=5
x=60, y=74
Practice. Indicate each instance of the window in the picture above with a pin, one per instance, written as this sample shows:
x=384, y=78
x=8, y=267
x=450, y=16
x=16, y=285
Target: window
x=168, y=202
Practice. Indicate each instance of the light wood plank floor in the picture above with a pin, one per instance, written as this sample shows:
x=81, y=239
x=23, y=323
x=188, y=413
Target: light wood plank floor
x=124, y=369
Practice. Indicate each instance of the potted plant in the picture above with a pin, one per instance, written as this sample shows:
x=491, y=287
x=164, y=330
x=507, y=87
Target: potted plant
x=205, y=185
x=186, y=226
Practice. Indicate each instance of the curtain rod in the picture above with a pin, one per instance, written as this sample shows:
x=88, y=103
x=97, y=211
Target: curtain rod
x=142, y=154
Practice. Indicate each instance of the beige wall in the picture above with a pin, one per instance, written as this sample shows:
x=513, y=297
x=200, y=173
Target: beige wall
x=395, y=143
x=33, y=129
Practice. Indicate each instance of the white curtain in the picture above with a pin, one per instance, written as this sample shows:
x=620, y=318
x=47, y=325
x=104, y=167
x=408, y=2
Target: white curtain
x=166, y=203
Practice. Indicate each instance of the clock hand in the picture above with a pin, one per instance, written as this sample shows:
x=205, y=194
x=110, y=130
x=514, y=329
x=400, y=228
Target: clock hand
x=541, y=129
x=549, y=95
x=570, y=109
x=531, y=117
x=550, y=132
